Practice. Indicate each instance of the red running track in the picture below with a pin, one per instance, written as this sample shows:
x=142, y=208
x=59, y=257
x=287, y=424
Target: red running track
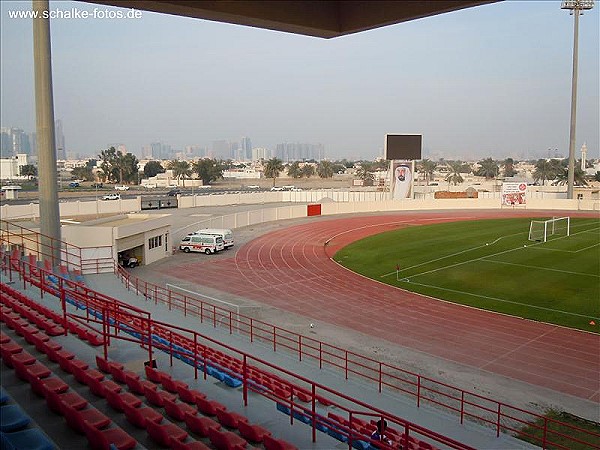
x=291, y=269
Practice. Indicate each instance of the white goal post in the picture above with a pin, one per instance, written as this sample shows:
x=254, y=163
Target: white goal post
x=541, y=230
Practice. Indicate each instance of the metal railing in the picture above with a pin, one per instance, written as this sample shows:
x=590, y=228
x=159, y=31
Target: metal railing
x=467, y=405
x=118, y=320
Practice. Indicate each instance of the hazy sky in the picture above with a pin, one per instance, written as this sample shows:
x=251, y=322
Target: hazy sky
x=488, y=81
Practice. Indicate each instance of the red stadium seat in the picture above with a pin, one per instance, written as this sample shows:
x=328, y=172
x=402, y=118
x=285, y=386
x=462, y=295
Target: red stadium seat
x=193, y=445
x=271, y=443
x=178, y=411
x=76, y=418
x=189, y=395
x=208, y=407
x=252, y=433
x=57, y=401
x=226, y=440
x=141, y=417
x=163, y=433
x=230, y=419
x=157, y=398
x=200, y=424
x=103, y=439
x=136, y=385
x=120, y=400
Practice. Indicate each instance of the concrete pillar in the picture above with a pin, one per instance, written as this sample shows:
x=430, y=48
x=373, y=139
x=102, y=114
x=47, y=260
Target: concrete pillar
x=46, y=147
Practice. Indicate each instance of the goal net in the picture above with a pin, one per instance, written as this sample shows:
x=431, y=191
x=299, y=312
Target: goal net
x=542, y=230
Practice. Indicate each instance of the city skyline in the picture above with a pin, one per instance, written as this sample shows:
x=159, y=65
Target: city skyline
x=488, y=81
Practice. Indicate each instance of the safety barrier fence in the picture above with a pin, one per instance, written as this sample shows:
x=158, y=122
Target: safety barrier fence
x=117, y=320
x=27, y=242
x=504, y=418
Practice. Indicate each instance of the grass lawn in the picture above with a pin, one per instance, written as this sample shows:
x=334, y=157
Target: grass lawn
x=561, y=423
x=491, y=264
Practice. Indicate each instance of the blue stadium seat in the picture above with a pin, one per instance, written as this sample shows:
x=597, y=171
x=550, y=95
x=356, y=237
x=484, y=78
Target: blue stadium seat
x=29, y=439
x=13, y=418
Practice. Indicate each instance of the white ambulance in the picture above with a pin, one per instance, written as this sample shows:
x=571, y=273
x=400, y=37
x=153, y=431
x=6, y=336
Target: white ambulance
x=206, y=243
x=226, y=234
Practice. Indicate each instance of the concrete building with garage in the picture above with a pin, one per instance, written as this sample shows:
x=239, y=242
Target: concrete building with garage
x=145, y=237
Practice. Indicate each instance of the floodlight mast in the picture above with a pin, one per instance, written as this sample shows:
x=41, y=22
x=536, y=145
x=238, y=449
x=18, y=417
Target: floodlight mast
x=575, y=6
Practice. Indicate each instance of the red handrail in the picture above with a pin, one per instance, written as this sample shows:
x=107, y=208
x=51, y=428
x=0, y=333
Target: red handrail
x=466, y=404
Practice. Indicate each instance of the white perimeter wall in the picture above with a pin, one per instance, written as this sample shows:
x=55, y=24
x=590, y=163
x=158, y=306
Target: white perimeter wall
x=333, y=202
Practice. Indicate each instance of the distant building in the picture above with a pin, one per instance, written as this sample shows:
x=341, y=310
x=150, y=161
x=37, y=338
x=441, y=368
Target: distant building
x=59, y=139
x=220, y=150
x=299, y=152
x=246, y=149
x=10, y=168
x=259, y=153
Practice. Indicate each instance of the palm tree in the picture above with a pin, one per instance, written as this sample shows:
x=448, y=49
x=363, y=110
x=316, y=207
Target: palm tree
x=181, y=169
x=294, y=170
x=325, y=169
x=272, y=168
x=488, y=169
x=544, y=170
x=29, y=170
x=563, y=176
x=454, y=176
x=427, y=167
x=509, y=167
x=364, y=173
x=308, y=170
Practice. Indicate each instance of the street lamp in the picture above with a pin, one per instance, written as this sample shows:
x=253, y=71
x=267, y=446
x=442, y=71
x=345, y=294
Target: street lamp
x=576, y=7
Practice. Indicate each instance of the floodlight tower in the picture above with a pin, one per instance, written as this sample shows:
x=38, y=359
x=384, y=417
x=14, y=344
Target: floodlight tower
x=576, y=7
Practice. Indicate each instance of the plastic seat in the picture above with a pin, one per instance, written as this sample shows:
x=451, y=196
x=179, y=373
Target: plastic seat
x=136, y=385
x=252, y=433
x=200, y=424
x=76, y=418
x=118, y=373
x=56, y=401
x=163, y=433
x=208, y=407
x=172, y=385
x=230, y=419
x=157, y=398
x=42, y=386
x=108, y=438
x=30, y=438
x=189, y=395
x=37, y=370
x=178, y=411
x=24, y=357
x=141, y=417
x=153, y=374
x=193, y=445
x=13, y=418
x=272, y=443
x=226, y=440
x=119, y=400
x=100, y=388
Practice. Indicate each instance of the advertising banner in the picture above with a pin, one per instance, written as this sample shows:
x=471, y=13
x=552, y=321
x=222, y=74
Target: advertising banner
x=514, y=194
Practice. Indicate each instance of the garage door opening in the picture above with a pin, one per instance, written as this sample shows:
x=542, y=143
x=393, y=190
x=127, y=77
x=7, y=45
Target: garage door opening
x=131, y=257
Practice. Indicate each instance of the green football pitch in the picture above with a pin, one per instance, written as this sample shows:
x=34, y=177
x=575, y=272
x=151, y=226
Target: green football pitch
x=492, y=264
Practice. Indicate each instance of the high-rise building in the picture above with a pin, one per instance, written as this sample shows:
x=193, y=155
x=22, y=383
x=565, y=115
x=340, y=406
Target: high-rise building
x=299, y=152
x=220, y=150
x=260, y=153
x=59, y=138
x=245, y=149
x=6, y=143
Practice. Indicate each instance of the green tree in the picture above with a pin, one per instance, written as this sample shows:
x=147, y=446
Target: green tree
x=545, y=170
x=325, y=169
x=364, y=173
x=28, y=170
x=428, y=168
x=597, y=176
x=208, y=170
x=509, y=167
x=488, y=168
x=294, y=170
x=308, y=170
x=562, y=176
x=454, y=176
x=153, y=168
x=181, y=169
x=83, y=173
x=108, y=158
x=273, y=168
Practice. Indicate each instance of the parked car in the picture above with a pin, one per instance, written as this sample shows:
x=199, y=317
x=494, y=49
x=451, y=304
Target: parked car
x=73, y=184
x=122, y=188
x=97, y=185
x=276, y=188
x=111, y=197
x=173, y=192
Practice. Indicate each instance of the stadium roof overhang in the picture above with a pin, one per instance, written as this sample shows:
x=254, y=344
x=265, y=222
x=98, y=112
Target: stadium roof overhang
x=324, y=18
